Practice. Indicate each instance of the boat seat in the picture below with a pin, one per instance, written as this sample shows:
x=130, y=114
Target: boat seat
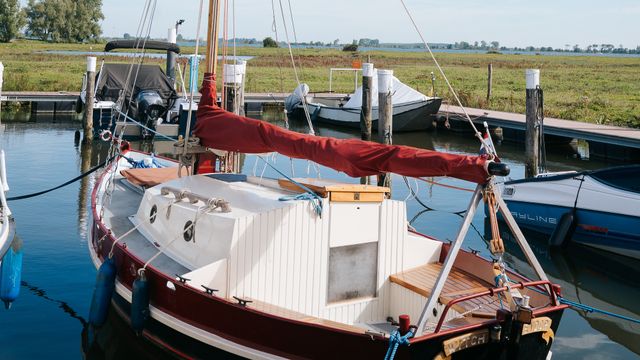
x=151, y=177
x=294, y=315
x=337, y=191
x=460, y=283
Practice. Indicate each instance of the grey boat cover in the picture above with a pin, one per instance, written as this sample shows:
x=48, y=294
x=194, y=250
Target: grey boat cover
x=113, y=78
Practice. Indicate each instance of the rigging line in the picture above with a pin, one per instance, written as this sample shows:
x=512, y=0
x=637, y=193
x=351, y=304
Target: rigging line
x=415, y=196
x=193, y=90
x=444, y=185
x=274, y=28
x=295, y=38
x=295, y=70
x=453, y=92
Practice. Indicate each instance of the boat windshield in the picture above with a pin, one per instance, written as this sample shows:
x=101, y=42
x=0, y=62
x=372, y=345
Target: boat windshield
x=624, y=177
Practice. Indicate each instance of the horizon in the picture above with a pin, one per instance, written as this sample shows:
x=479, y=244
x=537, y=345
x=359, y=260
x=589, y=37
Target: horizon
x=513, y=23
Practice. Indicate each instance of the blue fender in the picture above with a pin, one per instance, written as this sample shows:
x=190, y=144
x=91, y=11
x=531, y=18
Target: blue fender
x=140, y=303
x=102, y=293
x=11, y=273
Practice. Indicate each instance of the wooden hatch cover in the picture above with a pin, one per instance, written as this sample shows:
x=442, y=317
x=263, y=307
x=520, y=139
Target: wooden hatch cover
x=337, y=191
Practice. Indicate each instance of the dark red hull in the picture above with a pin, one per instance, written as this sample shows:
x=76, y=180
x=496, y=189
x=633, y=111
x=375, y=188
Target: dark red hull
x=273, y=335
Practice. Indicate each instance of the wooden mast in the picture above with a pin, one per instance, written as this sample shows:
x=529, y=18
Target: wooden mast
x=212, y=37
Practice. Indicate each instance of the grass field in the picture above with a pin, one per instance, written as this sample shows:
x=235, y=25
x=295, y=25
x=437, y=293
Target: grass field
x=602, y=90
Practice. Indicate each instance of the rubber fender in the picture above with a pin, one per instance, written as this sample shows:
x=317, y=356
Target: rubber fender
x=140, y=303
x=11, y=273
x=102, y=293
x=564, y=230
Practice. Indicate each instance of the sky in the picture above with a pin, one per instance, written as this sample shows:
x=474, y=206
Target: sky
x=511, y=22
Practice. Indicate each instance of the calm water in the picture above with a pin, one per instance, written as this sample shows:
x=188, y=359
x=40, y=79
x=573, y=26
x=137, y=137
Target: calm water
x=47, y=321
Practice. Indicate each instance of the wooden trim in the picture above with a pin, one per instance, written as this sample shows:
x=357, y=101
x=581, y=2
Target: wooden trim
x=356, y=197
x=340, y=192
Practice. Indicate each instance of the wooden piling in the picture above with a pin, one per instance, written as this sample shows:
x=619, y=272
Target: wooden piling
x=233, y=96
x=489, y=81
x=385, y=115
x=532, y=135
x=367, y=100
x=365, y=113
x=89, y=98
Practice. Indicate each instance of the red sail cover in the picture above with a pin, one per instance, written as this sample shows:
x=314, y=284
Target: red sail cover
x=222, y=130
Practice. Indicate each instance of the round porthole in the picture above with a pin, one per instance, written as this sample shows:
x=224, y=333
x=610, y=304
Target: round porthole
x=188, y=231
x=153, y=214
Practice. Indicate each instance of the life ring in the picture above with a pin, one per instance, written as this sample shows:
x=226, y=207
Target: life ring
x=105, y=135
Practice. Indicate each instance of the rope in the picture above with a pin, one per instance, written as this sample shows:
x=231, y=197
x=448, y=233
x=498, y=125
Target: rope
x=444, y=185
x=142, y=126
x=453, y=92
x=316, y=201
x=91, y=171
x=193, y=90
x=395, y=340
x=295, y=70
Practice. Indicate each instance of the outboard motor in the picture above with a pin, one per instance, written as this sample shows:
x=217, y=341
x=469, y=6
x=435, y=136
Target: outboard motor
x=149, y=108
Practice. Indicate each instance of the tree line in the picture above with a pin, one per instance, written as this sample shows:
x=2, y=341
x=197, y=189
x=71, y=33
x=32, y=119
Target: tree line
x=51, y=20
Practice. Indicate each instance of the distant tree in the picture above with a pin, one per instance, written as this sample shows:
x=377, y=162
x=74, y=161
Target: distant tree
x=463, y=45
x=475, y=44
x=64, y=20
x=268, y=42
x=483, y=45
x=336, y=42
x=350, y=47
x=12, y=19
x=179, y=37
x=126, y=36
x=495, y=45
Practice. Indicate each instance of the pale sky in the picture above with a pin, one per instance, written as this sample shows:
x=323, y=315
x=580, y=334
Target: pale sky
x=511, y=22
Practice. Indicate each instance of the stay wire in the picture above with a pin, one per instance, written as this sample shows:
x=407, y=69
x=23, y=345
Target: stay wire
x=451, y=89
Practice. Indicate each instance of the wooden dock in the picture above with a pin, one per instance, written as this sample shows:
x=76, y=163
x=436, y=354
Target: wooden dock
x=552, y=126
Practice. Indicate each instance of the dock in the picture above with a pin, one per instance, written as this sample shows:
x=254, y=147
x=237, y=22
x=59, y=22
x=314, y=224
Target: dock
x=605, y=141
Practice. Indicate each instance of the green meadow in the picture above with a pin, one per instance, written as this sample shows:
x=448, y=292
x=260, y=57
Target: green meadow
x=603, y=90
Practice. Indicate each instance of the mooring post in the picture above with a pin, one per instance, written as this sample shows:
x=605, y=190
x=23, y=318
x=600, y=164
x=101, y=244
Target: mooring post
x=89, y=97
x=233, y=75
x=233, y=80
x=367, y=100
x=532, y=142
x=365, y=113
x=489, y=81
x=171, y=56
x=1, y=82
x=385, y=115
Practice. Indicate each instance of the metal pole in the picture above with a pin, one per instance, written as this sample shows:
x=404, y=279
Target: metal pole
x=489, y=81
x=532, y=143
x=385, y=115
x=428, y=310
x=89, y=98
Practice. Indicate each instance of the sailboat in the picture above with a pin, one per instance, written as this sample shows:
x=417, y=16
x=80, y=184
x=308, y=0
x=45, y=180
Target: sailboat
x=412, y=110
x=205, y=261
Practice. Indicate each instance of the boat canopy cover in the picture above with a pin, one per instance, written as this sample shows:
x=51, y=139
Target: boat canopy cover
x=138, y=44
x=113, y=78
x=402, y=93
x=222, y=130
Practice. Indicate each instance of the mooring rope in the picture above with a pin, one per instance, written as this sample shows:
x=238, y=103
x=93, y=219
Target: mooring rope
x=91, y=171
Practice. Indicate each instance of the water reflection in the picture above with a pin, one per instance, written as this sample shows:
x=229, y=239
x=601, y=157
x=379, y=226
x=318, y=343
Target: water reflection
x=605, y=281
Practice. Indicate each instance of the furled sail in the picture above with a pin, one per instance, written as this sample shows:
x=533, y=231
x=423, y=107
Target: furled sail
x=222, y=130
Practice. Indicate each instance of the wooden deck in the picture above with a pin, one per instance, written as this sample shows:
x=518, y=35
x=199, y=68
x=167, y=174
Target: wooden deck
x=566, y=128
x=422, y=279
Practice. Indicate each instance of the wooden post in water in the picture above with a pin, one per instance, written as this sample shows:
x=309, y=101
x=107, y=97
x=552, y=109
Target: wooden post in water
x=89, y=97
x=367, y=104
x=532, y=136
x=385, y=115
x=233, y=80
x=232, y=85
x=489, y=81
x=367, y=100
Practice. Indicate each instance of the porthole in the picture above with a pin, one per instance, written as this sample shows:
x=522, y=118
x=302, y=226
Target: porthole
x=153, y=214
x=188, y=231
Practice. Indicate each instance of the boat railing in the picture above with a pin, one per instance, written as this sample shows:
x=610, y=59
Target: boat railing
x=547, y=285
